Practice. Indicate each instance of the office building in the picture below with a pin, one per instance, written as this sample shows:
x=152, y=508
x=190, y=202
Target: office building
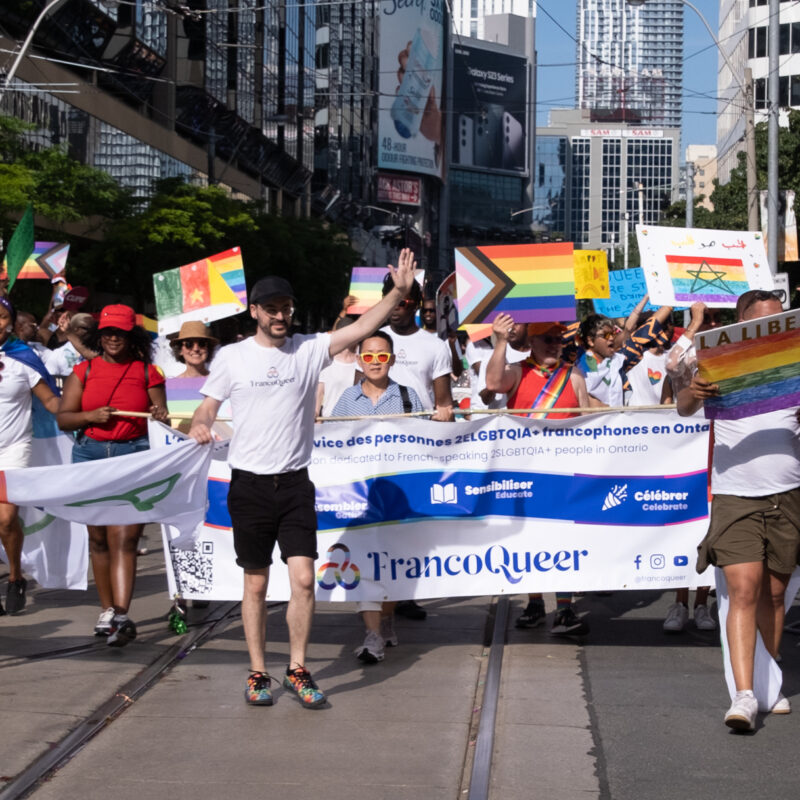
x=630, y=61
x=587, y=178
x=468, y=15
x=744, y=35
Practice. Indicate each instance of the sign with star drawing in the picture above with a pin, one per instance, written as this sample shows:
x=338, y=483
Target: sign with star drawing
x=209, y=289
x=531, y=282
x=688, y=265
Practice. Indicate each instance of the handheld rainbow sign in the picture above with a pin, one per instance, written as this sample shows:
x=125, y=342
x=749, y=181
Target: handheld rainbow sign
x=47, y=261
x=688, y=265
x=531, y=282
x=210, y=289
x=366, y=284
x=755, y=363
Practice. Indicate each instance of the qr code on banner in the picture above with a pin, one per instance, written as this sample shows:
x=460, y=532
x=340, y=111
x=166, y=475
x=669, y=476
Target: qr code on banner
x=194, y=569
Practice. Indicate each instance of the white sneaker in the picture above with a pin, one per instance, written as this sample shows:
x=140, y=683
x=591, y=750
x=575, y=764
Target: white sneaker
x=703, y=619
x=371, y=652
x=741, y=715
x=103, y=626
x=387, y=631
x=782, y=705
x=677, y=616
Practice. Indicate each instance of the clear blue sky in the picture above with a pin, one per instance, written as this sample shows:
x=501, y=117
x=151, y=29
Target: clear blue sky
x=556, y=84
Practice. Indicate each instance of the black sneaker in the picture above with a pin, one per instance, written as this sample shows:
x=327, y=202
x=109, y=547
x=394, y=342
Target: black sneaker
x=15, y=599
x=122, y=632
x=533, y=615
x=567, y=623
x=410, y=610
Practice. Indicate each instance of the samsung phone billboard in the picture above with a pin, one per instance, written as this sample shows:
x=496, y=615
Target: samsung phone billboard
x=410, y=132
x=490, y=109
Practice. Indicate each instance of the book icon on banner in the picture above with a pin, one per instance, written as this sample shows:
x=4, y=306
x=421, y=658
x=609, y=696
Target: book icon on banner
x=444, y=494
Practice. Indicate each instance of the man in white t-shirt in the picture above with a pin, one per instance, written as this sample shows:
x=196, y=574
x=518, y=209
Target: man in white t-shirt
x=754, y=530
x=271, y=380
x=422, y=359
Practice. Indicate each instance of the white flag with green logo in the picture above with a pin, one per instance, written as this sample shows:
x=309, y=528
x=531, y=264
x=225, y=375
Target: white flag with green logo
x=166, y=485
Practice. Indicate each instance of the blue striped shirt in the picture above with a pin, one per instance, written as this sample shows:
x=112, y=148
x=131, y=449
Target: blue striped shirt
x=354, y=403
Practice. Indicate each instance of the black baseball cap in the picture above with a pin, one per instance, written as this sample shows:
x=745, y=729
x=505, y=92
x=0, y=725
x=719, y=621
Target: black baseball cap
x=269, y=287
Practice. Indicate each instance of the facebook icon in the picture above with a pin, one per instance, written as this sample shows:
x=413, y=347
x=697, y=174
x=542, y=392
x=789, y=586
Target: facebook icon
x=638, y=561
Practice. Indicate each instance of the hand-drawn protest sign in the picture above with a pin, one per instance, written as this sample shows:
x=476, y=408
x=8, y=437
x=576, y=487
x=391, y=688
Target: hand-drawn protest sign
x=688, y=265
x=591, y=274
x=755, y=363
x=209, y=289
x=531, y=282
x=627, y=287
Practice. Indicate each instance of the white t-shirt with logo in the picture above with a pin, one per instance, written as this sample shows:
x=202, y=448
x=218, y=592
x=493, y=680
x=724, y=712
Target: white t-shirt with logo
x=273, y=397
x=61, y=360
x=419, y=359
x=17, y=381
x=647, y=379
x=756, y=456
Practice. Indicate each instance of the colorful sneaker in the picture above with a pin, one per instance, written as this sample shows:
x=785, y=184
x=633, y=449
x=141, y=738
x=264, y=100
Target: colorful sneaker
x=104, y=622
x=568, y=623
x=410, y=610
x=782, y=705
x=703, y=620
x=15, y=599
x=533, y=615
x=122, y=631
x=677, y=616
x=741, y=715
x=387, y=631
x=257, y=692
x=371, y=652
x=299, y=681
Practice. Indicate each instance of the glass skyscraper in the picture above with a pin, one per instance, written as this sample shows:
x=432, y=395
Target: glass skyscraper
x=630, y=61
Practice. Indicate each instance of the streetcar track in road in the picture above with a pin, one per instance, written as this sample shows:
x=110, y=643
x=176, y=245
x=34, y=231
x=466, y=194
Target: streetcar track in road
x=123, y=698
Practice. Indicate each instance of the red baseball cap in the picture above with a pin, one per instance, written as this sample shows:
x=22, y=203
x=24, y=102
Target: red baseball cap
x=118, y=316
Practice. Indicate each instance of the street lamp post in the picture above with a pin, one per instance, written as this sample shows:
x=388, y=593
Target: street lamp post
x=772, y=155
x=773, y=222
x=25, y=45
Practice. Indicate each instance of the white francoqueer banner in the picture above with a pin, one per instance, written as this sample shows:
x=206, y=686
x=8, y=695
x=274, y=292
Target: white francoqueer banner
x=151, y=486
x=412, y=508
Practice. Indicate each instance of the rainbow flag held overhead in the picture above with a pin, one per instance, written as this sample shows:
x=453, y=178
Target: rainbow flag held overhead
x=531, y=282
x=366, y=284
x=756, y=365
x=209, y=289
x=47, y=261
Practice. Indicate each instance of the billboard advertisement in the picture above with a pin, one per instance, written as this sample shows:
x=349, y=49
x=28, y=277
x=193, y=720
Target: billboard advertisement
x=410, y=134
x=490, y=109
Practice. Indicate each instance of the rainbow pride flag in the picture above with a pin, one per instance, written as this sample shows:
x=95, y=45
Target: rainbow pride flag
x=755, y=363
x=210, y=289
x=531, y=282
x=706, y=279
x=366, y=284
x=47, y=261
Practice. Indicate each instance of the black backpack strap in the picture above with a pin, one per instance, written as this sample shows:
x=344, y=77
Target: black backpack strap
x=406, y=399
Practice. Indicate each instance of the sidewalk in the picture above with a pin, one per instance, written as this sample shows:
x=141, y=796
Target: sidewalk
x=398, y=729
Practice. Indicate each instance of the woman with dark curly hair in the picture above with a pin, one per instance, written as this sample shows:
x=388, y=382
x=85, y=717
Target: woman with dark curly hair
x=121, y=377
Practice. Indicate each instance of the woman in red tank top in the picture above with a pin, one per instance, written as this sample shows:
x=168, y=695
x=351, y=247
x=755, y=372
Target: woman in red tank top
x=122, y=377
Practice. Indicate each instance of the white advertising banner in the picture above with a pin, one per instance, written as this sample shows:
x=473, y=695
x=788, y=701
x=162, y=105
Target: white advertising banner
x=410, y=508
x=410, y=112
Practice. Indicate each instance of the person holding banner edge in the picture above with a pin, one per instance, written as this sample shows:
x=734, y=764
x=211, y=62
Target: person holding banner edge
x=754, y=528
x=271, y=380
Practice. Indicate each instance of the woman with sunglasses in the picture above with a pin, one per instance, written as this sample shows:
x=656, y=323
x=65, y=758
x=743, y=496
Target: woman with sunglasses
x=22, y=377
x=375, y=394
x=121, y=377
x=193, y=347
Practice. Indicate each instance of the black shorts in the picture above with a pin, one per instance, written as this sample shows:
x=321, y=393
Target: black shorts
x=266, y=509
